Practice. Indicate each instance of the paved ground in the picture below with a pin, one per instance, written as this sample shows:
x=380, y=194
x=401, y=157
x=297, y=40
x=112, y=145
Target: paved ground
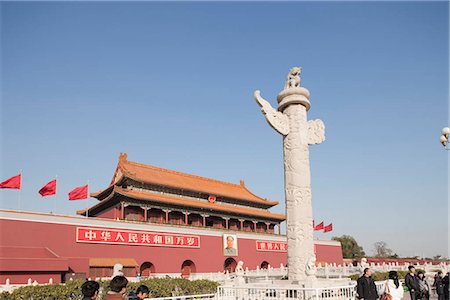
x=407, y=297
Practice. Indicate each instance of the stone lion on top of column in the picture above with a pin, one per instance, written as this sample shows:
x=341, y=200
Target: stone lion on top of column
x=293, y=78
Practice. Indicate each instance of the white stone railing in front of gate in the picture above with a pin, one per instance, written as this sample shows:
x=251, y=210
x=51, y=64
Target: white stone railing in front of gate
x=327, y=271
x=249, y=274
x=256, y=292
x=188, y=297
x=339, y=271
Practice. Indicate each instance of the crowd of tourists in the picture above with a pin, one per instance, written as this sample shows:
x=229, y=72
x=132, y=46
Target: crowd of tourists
x=366, y=289
x=117, y=290
x=392, y=288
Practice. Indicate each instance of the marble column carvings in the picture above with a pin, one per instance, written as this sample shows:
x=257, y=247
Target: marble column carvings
x=290, y=120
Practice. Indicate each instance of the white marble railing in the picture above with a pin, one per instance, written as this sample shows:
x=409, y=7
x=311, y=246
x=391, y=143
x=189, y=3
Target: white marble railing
x=328, y=271
x=188, y=297
x=8, y=287
x=281, y=292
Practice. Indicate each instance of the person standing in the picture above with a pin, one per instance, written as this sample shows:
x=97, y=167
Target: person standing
x=433, y=287
x=424, y=288
x=393, y=286
x=446, y=282
x=366, y=288
x=118, y=287
x=412, y=282
x=439, y=285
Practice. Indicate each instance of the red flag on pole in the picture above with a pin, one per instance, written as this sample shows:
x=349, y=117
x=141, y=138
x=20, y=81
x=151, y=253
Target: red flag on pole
x=12, y=183
x=318, y=226
x=48, y=189
x=79, y=193
x=328, y=228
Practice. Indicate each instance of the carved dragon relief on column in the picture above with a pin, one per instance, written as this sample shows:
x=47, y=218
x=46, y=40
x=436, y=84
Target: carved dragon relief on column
x=276, y=119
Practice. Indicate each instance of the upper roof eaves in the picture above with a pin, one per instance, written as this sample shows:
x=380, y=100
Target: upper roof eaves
x=178, y=180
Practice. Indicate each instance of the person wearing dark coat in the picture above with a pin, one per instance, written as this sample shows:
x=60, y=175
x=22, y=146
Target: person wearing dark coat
x=89, y=289
x=446, y=282
x=439, y=285
x=412, y=282
x=366, y=288
x=424, y=288
x=141, y=293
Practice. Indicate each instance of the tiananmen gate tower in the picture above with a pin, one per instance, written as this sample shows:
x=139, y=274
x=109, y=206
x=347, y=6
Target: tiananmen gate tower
x=150, y=220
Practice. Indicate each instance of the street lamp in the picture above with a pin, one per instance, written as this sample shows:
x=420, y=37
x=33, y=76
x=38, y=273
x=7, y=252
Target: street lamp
x=444, y=139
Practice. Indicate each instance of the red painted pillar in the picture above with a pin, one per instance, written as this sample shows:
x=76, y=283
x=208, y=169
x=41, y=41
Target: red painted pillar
x=254, y=226
x=204, y=220
x=167, y=216
x=122, y=211
x=242, y=224
x=279, y=229
x=267, y=227
x=145, y=214
x=186, y=219
x=226, y=223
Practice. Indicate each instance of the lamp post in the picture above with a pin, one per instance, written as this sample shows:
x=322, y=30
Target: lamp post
x=444, y=139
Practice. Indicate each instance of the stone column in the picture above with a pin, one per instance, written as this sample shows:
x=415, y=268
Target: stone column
x=298, y=133
x=297, y=185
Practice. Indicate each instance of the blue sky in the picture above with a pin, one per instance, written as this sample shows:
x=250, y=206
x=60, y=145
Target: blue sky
x=171, y=84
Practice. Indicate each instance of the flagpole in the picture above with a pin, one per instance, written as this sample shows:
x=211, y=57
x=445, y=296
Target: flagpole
x=87, y=200
x=56, y=192
x=20, y=190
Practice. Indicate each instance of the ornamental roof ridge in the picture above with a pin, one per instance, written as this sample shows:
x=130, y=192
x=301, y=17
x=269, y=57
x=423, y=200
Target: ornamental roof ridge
x=126, y=167
x=189, y=175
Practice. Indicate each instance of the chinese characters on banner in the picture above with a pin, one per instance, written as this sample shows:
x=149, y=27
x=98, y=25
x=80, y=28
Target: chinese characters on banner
x=141, y=238
x=271, y=246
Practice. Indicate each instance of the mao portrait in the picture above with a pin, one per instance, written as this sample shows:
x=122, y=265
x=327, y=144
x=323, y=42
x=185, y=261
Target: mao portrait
x=230, y=245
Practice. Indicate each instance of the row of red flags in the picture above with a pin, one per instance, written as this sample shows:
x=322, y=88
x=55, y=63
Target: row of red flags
x=49, y=189
x=321, y=226
x=81, y=193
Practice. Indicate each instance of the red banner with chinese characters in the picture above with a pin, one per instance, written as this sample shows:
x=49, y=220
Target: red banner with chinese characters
x=140, y=238
x=271, y=246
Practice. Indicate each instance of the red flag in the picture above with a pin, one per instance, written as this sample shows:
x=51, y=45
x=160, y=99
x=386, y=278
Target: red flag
x=328, y=228
x=319, y=226
x=79, y=193
x=12, y=183
x=48, y=189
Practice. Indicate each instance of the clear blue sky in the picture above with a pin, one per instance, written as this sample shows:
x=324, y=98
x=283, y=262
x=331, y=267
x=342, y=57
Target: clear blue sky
x=171, y=84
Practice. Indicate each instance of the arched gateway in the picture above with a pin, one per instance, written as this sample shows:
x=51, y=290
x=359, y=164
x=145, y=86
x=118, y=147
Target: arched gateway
x=264, y=265
x=229, y=265
x=187, y=268
x=146, y=269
